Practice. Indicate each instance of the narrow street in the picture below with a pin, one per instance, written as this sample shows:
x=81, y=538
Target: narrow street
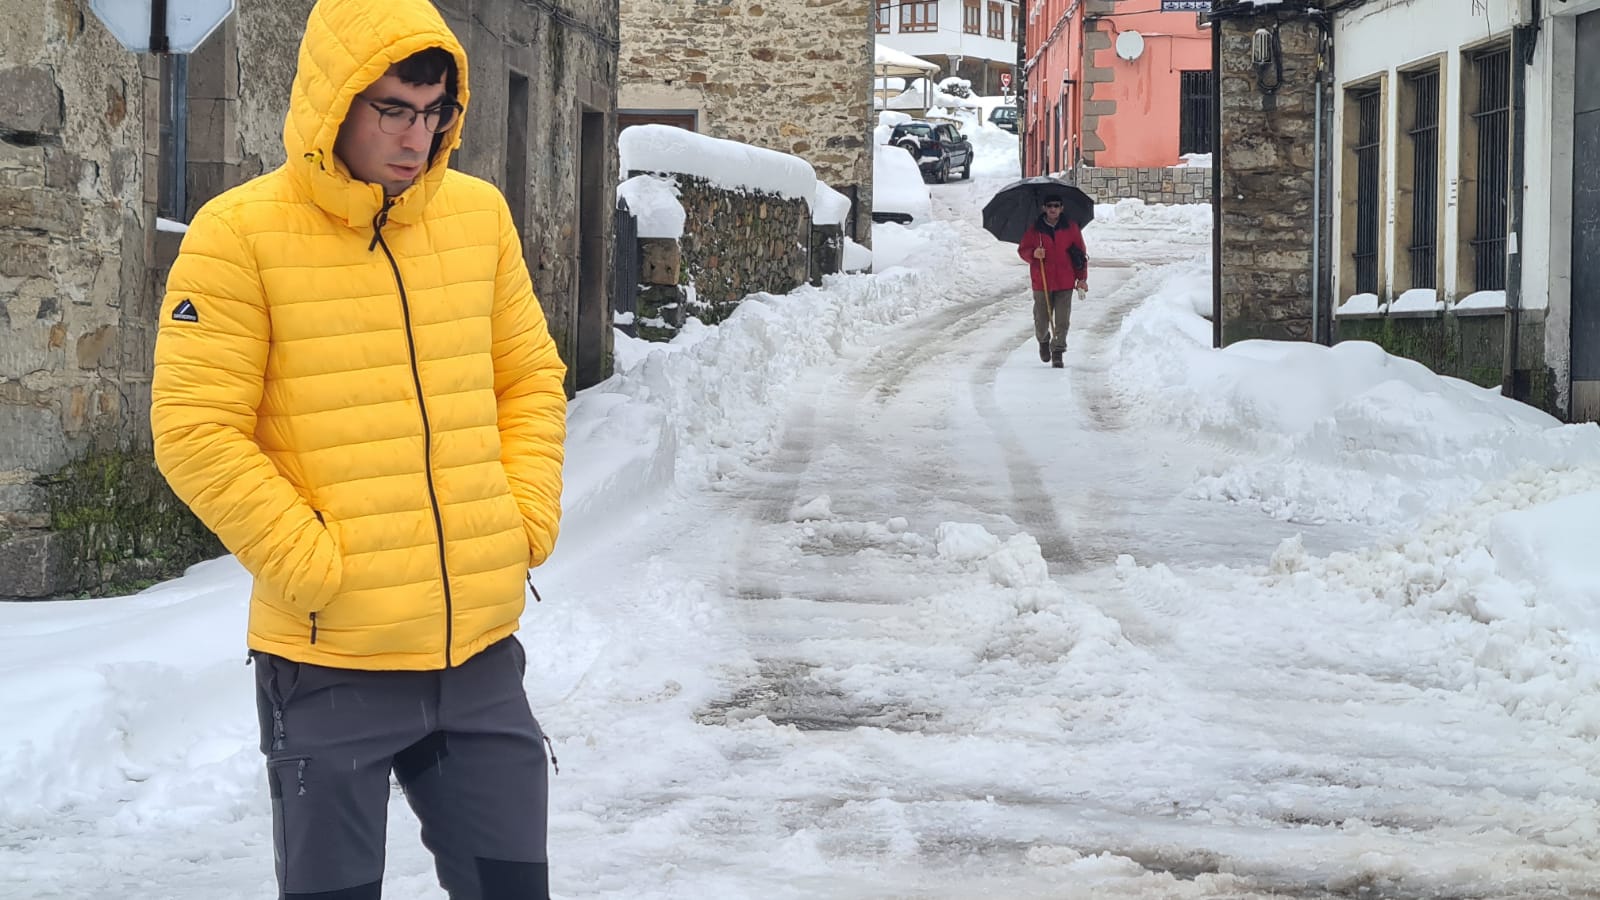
x=989, y=651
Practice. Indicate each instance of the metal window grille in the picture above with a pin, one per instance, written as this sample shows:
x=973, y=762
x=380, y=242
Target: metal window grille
x=1369, y=138
x=883, y=16
x=1194, y=112
x=972, y=16
x=1492, y=120
x=1424, y=132
x=919, y=15
x=997, y=20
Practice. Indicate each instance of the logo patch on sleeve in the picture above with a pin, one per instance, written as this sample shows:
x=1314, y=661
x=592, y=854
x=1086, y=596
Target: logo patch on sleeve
x=185, y=312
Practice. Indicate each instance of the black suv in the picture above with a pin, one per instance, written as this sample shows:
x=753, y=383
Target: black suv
x=1004, y=117
x=939, y=149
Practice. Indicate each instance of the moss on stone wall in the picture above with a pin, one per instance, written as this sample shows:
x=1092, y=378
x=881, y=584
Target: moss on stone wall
x=123, y=527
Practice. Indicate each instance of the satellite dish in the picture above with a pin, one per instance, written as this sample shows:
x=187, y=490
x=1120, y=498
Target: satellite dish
x=1130, y=45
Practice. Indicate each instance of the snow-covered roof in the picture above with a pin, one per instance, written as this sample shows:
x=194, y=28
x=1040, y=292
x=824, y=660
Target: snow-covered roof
x=889, y=61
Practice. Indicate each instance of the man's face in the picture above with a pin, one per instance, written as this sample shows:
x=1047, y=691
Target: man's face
x=371, y=153
x=1052, y=211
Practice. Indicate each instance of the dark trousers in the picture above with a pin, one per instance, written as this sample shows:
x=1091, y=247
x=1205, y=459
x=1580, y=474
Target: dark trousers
x=462, y=743
x=1052, y=315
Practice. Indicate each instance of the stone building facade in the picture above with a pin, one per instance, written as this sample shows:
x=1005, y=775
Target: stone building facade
x=789, y=75
x=1267, y=259
x=97, y=143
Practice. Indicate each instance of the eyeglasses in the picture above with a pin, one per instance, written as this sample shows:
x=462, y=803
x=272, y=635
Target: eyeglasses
x=1052, y=203
x=398, y=118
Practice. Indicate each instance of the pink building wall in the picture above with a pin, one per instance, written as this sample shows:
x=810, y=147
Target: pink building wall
x=1143, y=131
x=1133, y=107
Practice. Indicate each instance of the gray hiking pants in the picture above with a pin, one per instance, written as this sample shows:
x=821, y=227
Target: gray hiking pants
x=1051, y=317
x=462, y=743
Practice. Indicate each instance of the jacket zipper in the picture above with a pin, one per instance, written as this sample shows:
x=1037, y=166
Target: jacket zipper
x=378, y=222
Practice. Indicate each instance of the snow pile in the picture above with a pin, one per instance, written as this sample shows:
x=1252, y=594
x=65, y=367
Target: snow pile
x=1514, y=577
x=1417, y=300
x=994, y=152
x=897, y=184
x=1173, y=220
x=829, y=207
x=653, y=199
x=727, y=164
x=722, y=390
x=1321, y=415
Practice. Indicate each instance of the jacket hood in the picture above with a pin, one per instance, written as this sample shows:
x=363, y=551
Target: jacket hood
x=348, y=45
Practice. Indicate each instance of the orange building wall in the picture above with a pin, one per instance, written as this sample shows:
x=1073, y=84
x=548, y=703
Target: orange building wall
x=1062, y=55
x=1143, y=131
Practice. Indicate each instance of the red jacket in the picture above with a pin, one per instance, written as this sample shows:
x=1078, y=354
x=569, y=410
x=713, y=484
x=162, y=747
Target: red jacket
x=1057, y=265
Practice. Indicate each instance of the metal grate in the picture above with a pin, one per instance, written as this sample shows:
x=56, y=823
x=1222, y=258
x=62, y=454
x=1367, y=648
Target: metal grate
x=1493, y=125
x=1424, y=132
x=1194, y=112
x=1369, y=141
x=626, y=268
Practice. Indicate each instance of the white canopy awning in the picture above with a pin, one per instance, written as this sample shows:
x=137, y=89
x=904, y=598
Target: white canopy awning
x=889, y=61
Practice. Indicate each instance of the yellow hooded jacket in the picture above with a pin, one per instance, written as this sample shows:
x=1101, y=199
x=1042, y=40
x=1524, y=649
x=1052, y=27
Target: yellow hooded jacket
x=371, y=419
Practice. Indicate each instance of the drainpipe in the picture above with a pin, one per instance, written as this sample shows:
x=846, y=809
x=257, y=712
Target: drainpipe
x=1216, y=182
x=1321, y=325
x=1316, y=224
x=1524, y=39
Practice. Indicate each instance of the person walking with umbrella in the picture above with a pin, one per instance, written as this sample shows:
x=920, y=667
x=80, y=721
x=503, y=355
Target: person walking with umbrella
x=1054, y=250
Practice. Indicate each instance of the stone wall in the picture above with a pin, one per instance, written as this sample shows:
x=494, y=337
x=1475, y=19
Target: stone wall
x=788, y=75
x=734, y=244
x=567, y=57
x=75, y=235
x=82, y=265
x=1267, y=160
x=1177, y=184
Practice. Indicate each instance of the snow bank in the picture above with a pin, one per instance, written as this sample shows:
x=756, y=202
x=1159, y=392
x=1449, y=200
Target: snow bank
x=713, y=395
x=1180, y=219
x=1419, y=441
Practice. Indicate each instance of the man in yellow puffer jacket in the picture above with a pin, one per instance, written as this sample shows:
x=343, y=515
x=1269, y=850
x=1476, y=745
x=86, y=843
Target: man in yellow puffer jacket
x=355, y=388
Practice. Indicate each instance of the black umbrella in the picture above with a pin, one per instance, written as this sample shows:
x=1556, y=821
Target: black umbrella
x=1017, y=206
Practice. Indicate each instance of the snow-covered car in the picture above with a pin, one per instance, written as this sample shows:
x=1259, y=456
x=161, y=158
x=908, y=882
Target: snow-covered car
x=939, y=149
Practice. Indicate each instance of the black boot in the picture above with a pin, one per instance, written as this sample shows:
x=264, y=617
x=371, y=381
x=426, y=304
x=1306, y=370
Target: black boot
x=1044, y=351
x=1055, y=360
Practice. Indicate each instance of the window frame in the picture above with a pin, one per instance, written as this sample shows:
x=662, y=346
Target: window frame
x=912, y=23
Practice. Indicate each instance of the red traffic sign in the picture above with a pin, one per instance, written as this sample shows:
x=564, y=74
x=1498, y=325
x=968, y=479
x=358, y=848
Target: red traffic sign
x=1005, y=79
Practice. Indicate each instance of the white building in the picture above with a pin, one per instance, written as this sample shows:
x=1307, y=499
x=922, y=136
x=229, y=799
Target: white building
x=1456, y=125
x=971, y=39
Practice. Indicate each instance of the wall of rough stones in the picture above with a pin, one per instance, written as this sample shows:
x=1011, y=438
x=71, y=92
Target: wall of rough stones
x=1155, y=185
x=1267, y=163
x=733, y=244
x=788, y=75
